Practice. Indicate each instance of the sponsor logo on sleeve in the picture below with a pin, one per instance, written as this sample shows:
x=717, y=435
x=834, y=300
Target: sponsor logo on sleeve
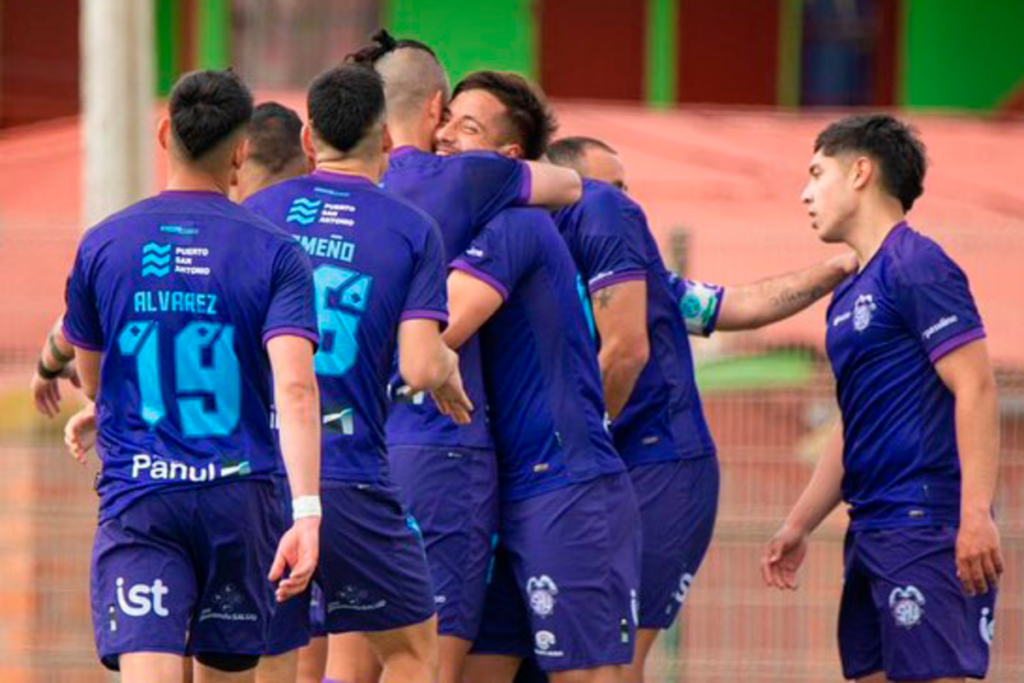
x=939, y=326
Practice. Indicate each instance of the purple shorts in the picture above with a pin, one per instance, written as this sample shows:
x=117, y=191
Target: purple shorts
x=185, y=572
x=678, y=502
x=904, y=611
x=373, y=571
x=566, y=578
x=453, y=494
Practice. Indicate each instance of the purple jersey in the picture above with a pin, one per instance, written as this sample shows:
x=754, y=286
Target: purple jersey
x=546, y=406
x=180, y=292
x=461, y=193
x=377, y=260
x=663, y=420
x=887, y=326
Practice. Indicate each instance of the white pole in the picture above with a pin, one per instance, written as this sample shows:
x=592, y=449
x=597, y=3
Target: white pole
x=117, y=104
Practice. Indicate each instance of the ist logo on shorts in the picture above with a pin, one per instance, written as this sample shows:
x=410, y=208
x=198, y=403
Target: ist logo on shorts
x=907, y=606
x=542, y=591
x=141, y=599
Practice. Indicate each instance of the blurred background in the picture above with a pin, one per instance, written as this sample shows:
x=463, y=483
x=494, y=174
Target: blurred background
x=713, y=106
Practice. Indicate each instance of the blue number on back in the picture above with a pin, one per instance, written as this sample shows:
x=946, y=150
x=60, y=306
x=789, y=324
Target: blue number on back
x=207, y=371
x=341, y=296
x=141, y=339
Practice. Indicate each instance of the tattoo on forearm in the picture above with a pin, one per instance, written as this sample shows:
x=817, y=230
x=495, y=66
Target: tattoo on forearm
x=604, y=297
x=788, y=298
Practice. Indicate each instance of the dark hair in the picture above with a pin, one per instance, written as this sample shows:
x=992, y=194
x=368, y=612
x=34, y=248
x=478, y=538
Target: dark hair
x=206, y=107
x=344, y=103
x=383, y=43
x=569, y=151
x=892, y=144
x=275, y=136
x=532, y=121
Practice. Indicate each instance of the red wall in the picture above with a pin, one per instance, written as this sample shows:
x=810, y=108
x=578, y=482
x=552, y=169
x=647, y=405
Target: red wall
x=39, y=60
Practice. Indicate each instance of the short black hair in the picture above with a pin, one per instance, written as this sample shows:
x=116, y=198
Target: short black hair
x=892, y=144
x=275, y=136
x=381, y=44
x=206, y=107
x=344, y=104
x=569, y=151
x=533, y=122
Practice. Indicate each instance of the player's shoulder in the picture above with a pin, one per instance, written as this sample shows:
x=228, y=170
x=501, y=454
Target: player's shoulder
x=404, y=214
x=917, y=258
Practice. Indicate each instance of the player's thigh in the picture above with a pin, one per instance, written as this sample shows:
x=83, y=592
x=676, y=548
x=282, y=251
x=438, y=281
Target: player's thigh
x=373, y=572
x=280, y=668
x=351, y=659
x=930, y=629
x=143, y=581
x=416, y=642
x=312, y=664
x=575, y=557
x=678, y=504
x=491, y=668
x=234, y=547
x=604, y=674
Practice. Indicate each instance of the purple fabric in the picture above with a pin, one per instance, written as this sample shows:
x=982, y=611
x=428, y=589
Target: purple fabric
x=955, y=343
x=75, y=341
x=291, y=331
x=460, y=264
x=440, y=316
x=617, y=278
x=526, y=188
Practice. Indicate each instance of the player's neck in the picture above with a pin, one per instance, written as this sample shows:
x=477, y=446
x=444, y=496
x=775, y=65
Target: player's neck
x=409, y=135
x=356, y=167
x=871, y=229
x=187, y=180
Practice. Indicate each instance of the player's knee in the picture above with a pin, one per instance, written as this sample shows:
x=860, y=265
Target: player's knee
x=230, y=663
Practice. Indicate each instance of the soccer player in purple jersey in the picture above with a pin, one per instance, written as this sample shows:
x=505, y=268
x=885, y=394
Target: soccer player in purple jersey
x=379, y=274
x=275, y=150
x=178, y=353
x=447, y=472
x=658, y=423
x=920, y=425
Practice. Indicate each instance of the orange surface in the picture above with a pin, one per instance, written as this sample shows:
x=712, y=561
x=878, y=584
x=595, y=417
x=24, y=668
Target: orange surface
x=732, y=178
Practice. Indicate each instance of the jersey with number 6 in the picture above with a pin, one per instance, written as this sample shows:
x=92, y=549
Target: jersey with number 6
x=377, y=261
x=180, y=293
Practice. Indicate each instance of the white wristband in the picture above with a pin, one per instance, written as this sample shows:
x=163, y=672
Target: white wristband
x=306, y=506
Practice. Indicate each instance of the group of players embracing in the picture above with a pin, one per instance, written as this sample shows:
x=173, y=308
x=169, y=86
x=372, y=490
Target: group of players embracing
x=436, y=359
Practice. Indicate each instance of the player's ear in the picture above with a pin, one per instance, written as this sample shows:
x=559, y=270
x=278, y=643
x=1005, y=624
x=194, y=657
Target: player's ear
x=862, y=170
x=241, y=152
x=386, y=139
x=307, y=143
x=163, y=132
x=435, y=109
x=512, y=150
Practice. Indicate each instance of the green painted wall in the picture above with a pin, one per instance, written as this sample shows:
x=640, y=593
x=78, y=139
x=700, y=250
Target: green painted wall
x=168, y=25
x=469, y=35
x=964, y=54
x=213, y=34
x=662, y=52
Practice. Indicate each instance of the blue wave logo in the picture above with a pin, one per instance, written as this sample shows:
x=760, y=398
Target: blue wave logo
x=156, y=259
x=303, y=211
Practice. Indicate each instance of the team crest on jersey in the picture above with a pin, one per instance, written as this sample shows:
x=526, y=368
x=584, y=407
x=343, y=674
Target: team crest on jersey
x=987, y=626
x=542, y=591
x=862, y=309
x=907, y=605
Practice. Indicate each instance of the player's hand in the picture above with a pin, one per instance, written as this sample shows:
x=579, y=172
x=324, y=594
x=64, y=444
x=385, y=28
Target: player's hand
x=783, y=557
x=979, y=560
x=80, y=432
x=46, y=392
x=451, y=398
x=297, y=553
x=847, y=262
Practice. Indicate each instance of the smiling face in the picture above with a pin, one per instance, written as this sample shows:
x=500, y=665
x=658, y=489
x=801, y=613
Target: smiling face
x=831, y=195
x=476, y=121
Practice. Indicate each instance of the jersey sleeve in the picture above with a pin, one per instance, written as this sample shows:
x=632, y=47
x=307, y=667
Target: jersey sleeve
x=427, y=297
x=82, y=324
x=935, y=302
x=498, y=255
x=699, y=304
x=610, y=242
x=292, y=309
x=492, y=183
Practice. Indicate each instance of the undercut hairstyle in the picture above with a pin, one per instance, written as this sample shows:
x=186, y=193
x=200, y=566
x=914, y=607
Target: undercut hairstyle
x=532, y=122
x=206, y=108
x=275, y=137
x=890, y=143
x=570, y=151
x=345, y=103
x=411, y=72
